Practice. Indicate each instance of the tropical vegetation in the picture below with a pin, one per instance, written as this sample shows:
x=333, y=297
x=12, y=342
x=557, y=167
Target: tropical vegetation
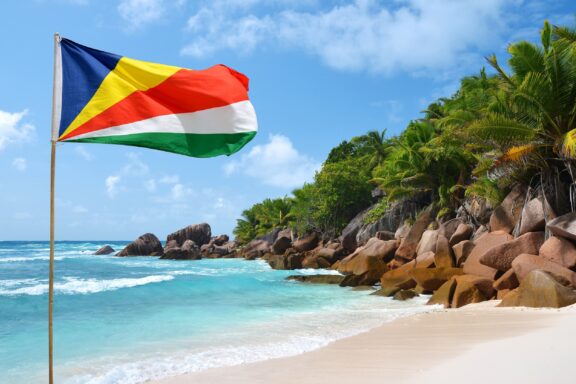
x=515, y=126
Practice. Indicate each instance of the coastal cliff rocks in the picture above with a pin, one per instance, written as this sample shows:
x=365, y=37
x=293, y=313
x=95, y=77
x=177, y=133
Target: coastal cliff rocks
x=463, y=232
x=323, y=257
x=199, y=233
x=462, y=290
x=443, y=296
x=219, y=240
x=501, y=256
x=405, y=294
x=105, y=250
x=407, y=249
x=507, y=281
x=399, y=277
x=564, y=226
x=188, y=251
x=506, y=215
x=444, y=256
x=532, y=219
x=540, y=289
x=471, y=289
x=317, y=279
x=559, y=250
x=525, y=263
x=348, y=237
x=254, y=249
x=282, y=242
x=427, y=242
x=432, y=279
x=462, y=250
x=290, y=260
x=307, y=242
x=146, y=245
x=482, y=245
x=367, y=264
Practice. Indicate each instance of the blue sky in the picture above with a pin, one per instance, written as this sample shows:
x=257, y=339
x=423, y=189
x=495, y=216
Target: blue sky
x=321, y=72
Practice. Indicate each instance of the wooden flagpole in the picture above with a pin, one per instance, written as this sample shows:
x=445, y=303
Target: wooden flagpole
x=51, y=272
x=55, y=122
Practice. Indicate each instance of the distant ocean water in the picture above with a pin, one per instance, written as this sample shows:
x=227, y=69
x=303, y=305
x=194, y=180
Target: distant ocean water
x=128, y=320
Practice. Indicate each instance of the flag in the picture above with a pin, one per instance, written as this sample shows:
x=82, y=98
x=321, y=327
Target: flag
x=102, y=97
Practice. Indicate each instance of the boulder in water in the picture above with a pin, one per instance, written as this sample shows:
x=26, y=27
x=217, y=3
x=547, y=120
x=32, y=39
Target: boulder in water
x=146, y=245
x=105, y=250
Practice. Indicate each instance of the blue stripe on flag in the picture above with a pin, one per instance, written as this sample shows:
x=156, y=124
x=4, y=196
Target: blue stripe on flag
x=83, y=70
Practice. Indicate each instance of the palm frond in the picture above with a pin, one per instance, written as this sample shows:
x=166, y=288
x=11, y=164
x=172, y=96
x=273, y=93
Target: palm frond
x=502, y=130
x=568, y=147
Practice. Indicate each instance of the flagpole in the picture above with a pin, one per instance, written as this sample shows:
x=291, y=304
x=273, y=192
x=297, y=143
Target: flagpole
x=55, y=121
x=51, y=272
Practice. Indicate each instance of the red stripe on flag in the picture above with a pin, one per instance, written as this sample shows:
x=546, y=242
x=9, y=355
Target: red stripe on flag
x=184, y=92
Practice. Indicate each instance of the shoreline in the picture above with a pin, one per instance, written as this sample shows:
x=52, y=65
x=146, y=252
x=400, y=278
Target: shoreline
x=478, y=342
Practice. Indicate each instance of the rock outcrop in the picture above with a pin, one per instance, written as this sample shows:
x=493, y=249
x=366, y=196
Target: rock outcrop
x=540, y=289
x=317, y=279
x=146, y=245
x=105, y=250
x=254, y=249
x=367, y=264
x=525, y=263
x=188, y=251
x=506, y=215
x=463, y=232
x=200, y=234
x=431, y=279
x=559, y=250
x=283, y=242
x=532, y=218
x=471, y=289
x=407, y=249
x=482, y=245
x=501, y=256
x=443, y=296
x=307, y=242
x=564, y=226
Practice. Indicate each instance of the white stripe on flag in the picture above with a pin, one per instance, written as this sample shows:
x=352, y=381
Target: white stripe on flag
x=233, y=118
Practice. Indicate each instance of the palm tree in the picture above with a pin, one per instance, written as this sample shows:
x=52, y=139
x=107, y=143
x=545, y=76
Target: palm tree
x=375, y=146
x=532, y=122
x=425, y=166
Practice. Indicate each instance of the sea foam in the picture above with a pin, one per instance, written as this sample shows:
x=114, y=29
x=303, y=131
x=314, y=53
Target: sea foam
x=317, y=335
x=73, y=286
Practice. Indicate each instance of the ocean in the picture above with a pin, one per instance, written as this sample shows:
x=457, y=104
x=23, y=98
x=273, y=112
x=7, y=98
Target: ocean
x=129, y=320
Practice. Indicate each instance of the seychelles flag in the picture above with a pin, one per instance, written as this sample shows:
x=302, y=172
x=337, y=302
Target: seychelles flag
x=104, y=98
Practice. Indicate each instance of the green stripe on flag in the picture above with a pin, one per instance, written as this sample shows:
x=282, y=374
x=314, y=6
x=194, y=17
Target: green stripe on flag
x=195, y=145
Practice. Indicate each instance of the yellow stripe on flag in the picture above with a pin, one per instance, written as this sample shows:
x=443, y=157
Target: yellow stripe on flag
x=128, y=76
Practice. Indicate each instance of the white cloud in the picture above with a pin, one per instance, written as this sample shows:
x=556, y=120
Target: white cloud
x=169, y=179
x=179, y=192
x=219, y=203
x=80, y=209
x=150, y=185
x=13, y=130
x=112, y=187
x=139, y=13
x=20, y=164
x=83, y=152
x=135, y=166
x=275, y=163
x=417, y=36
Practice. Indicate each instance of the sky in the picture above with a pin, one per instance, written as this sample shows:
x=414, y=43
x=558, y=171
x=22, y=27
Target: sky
x=320, y=72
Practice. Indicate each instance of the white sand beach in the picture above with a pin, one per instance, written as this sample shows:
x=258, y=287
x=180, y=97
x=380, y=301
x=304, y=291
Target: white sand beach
x=478, y=343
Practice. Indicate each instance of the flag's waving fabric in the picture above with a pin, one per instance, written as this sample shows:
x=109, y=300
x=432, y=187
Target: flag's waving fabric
x=111, y=99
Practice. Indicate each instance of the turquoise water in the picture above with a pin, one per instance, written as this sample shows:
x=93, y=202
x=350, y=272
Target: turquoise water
x=128, y=320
